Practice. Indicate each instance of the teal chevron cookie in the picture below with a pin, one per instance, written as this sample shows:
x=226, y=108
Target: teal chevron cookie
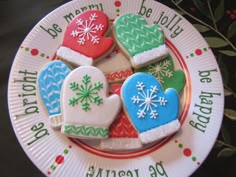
x=165, y=72
x=144, y=44
x=50, y=81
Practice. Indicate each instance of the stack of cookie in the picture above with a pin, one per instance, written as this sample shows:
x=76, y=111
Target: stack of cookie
x=112, y=85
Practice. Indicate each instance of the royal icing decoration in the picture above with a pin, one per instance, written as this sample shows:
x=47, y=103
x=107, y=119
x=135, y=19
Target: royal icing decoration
x=88, y=111
x=115, y=66
x=165, y=72
x=143, y=43
x=50, y=81
x=86, y=93
x=123, y=135
x=87, y=30
x=153, y=112
x=84, y=36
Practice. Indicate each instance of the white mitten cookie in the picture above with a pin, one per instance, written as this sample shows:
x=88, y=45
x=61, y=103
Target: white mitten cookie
x=88, y=111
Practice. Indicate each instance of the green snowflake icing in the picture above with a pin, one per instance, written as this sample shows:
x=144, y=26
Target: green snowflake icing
x=86, y=93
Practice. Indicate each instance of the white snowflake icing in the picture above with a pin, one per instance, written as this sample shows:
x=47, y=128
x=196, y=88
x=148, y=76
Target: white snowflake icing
x=87, y=30
x=160, y=70
x=148, y=100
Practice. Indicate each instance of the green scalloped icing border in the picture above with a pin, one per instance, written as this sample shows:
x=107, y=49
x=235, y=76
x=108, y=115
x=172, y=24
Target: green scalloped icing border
x=88, y=131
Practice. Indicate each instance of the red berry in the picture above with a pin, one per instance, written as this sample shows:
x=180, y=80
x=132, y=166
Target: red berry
x=232, y=16
x=228, y=11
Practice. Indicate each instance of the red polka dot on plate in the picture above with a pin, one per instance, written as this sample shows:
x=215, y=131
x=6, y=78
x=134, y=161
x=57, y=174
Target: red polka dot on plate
x=34, y=52
x=117, y=3
x=187, y=152
x=198, y=51
x=59, y=159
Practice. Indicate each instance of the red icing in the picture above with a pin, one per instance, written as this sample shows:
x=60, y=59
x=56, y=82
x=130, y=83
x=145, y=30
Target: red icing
x=119, y=75
x=89, y=49
x=121, y=127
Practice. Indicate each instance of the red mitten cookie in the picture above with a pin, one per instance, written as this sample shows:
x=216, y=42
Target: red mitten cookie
x=122, y=134
x=84, y=39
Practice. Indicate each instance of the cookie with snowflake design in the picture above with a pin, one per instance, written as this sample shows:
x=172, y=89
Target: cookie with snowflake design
x=142, y=43
x=87, y=110
x=85, y=39
x=153, y=112
x=165, y=72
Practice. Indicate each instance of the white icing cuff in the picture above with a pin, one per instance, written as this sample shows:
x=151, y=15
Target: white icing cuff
x=56, y=120
x=150, y=55
x=73, y=57
x=120, y=143
x=159, y=132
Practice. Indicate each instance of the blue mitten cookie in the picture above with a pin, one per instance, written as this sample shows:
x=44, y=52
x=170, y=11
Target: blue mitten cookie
x=50, y=80
x=153, y=112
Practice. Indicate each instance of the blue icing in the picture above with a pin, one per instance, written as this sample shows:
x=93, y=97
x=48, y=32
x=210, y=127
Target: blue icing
x=50, y=81
x=146, y=104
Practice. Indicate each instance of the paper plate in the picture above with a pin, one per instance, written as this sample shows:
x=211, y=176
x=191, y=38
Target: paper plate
x=202, y=100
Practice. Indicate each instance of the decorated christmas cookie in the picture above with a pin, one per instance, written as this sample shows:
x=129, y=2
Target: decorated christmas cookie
x=88, y=111
x=50, y=81
x=122, y=135
x=115, y=66
x=85, y=39
x=153, y=112
x=143, y=44
x=165, y=72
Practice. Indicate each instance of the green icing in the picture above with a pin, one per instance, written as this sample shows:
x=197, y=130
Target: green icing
x=86, y=93
x=164, y=71
x=136, y=35
x=88, y=131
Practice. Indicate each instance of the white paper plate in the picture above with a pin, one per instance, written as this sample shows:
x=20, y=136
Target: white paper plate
x=201, y=112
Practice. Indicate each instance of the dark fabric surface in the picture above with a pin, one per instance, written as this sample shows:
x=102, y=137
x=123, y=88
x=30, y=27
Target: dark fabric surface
x=17, y=18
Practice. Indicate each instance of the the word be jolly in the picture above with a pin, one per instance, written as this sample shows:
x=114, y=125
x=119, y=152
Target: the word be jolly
x=171, y=23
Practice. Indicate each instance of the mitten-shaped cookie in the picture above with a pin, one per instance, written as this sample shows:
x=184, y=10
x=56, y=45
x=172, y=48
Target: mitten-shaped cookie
x=122, y=135
x=143, y=44
x=87, y=110
x=50, y=80
x=116, y=66
x=84, y=39
x=153, y=112
x=165, y=72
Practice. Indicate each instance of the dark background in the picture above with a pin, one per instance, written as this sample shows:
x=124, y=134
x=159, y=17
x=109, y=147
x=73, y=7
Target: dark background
x=18, y=17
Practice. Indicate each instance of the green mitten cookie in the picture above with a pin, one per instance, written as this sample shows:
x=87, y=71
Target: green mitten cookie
x=164, y=71
x=144, y=44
